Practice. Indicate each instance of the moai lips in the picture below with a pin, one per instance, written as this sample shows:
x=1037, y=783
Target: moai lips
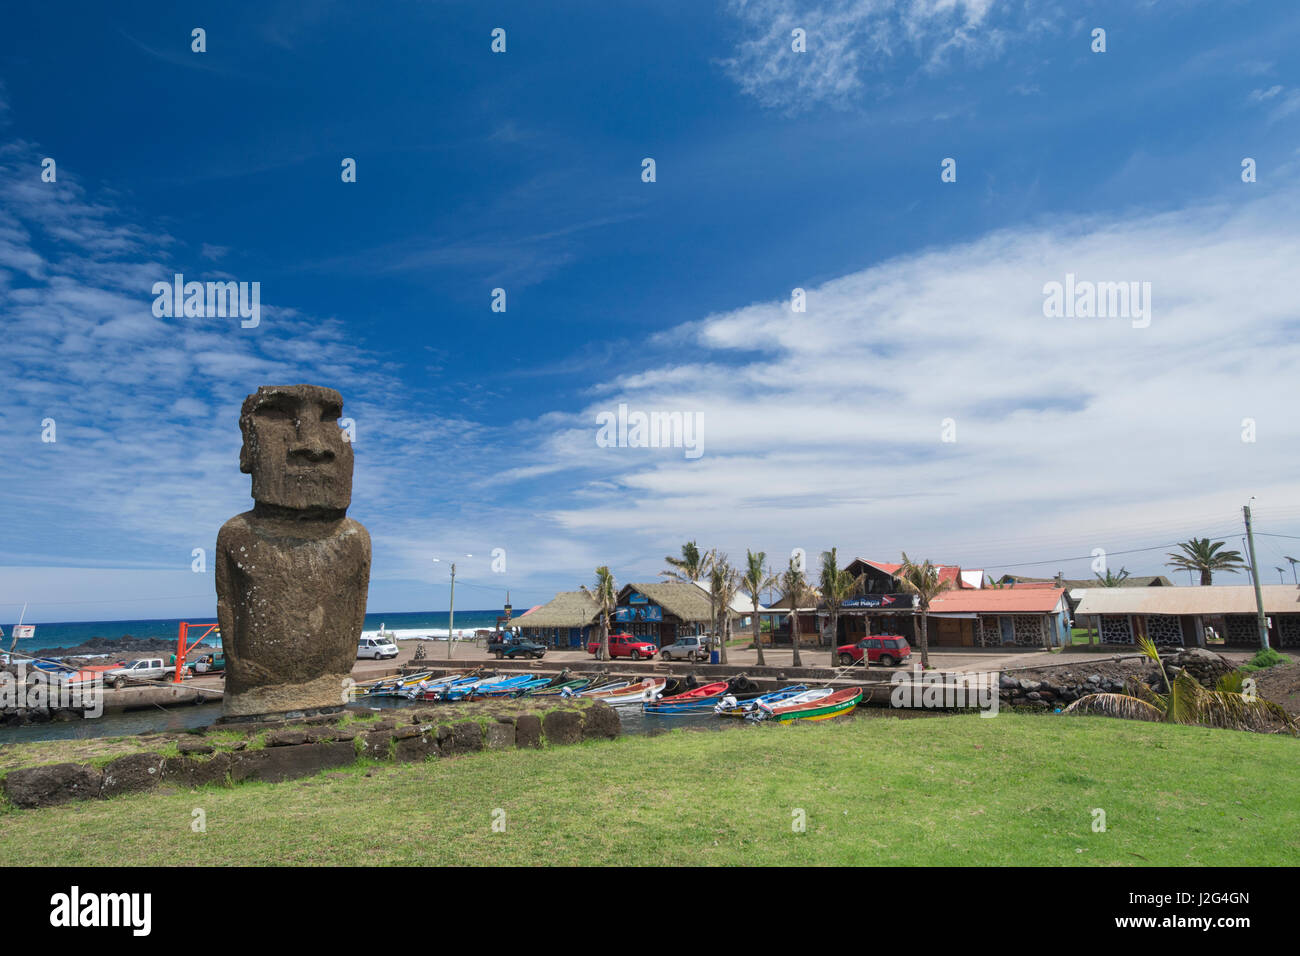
x=292, y=574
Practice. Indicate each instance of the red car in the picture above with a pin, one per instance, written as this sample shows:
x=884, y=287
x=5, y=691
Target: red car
x=886, y=649
x=625, y=645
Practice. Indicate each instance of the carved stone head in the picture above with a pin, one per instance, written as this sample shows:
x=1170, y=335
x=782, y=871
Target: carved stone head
x=294, y=448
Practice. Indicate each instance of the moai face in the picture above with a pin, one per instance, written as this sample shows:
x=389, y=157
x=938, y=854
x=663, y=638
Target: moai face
x=294, y=448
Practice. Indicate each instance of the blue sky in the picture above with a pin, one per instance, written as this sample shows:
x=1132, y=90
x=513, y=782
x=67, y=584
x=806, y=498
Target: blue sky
x=522, y=170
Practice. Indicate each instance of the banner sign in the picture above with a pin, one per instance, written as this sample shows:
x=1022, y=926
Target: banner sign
x=24, y=630
x=899, y=602
x=649, y=612
x=637, y=598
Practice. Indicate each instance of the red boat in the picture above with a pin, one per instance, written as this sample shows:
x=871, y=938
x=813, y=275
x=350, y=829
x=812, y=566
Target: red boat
x=704, y=690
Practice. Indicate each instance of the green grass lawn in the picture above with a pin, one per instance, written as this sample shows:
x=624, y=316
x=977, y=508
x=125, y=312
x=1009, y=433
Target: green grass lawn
x=1016, y=789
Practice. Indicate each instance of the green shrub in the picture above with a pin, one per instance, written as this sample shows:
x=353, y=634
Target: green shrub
x=1264, y=659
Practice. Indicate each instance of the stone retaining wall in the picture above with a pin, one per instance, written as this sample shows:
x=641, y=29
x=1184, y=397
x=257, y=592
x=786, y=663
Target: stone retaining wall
x=307, y=747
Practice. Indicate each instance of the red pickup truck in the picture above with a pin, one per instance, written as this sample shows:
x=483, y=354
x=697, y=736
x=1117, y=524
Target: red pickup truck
x=625, y=645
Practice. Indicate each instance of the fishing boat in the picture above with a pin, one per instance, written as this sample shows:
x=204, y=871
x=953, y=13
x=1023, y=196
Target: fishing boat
x=605, y=689
x=832, y=703
x=572, y=686
x=435, y=690
x=398, y=686
x=698, y=700
x=731, y=706
x=647, y=690
x=510, y=688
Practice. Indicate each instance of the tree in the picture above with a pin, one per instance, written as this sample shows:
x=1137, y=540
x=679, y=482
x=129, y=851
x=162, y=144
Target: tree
x=1198, y=554
x=692, y=566
x=605, y=594
x=755, y=579
x=723, y=583
x=921, y=580
x=1187, y=702
x=795, y=585
x=1112, y=580
x=837, y=586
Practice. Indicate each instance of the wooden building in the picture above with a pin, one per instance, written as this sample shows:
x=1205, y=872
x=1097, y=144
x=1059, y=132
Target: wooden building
x=662, y=611
x=569, y=619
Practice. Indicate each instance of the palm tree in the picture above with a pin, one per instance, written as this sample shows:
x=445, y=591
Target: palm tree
x=723, y=584
x=838, y=586
x=1112, y=580
x=1198, y=554
x=605, y=594
x=1187, y=702
x=796, y=588
x=923, y=581
x=755, y=579
x=691, y=566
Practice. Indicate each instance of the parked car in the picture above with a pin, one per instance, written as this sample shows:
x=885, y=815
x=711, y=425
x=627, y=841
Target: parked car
x=145, y=669
x=376, y=648
x=511, y=646
x=691, y=648
x=886, y=649
x=625, y=645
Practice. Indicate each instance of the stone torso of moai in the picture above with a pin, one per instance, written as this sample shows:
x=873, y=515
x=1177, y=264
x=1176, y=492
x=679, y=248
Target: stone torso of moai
x=292, y=574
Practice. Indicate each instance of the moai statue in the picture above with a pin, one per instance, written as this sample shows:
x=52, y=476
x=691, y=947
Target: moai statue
x=292, y=574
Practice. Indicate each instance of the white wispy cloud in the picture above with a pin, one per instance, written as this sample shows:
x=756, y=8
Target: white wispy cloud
x=856, y=48
x=1071, y=433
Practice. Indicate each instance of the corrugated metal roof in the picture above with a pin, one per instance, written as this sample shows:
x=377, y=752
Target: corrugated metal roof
x=998, y=601
x=1215, y=599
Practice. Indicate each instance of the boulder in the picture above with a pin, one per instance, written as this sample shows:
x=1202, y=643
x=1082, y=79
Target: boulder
x=131, y=774
x=53, y=784
x=195, y=773
x=418, y=748
x=286, y=738
x=275, y=764
x=194, y=747
x=462, y=738
x=600, y=722
x=500, y=734
x=528, y=730
x=377, y=744
x=1206, y=666
x=562, y=727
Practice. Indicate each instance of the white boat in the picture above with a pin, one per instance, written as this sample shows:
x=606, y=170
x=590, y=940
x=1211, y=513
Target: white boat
x=632, y=694
x=807, y=697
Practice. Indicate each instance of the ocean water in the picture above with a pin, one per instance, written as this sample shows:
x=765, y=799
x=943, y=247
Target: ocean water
x=409, y=625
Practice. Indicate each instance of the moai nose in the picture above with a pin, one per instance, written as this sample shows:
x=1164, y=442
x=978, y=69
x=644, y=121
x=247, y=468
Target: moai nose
x=313, y=451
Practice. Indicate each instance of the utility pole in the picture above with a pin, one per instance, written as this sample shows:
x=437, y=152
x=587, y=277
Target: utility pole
x=451, y=611
x=1254, y=573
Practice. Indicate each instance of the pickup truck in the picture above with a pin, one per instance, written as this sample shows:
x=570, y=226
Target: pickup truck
x=508, y=645
x=146, y=668
x=625, y=645
x=209, y=663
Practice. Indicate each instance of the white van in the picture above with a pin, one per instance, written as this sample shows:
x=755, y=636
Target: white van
x=376, y=648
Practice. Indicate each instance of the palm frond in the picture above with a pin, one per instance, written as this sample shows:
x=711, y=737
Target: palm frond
x=1115, y=705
